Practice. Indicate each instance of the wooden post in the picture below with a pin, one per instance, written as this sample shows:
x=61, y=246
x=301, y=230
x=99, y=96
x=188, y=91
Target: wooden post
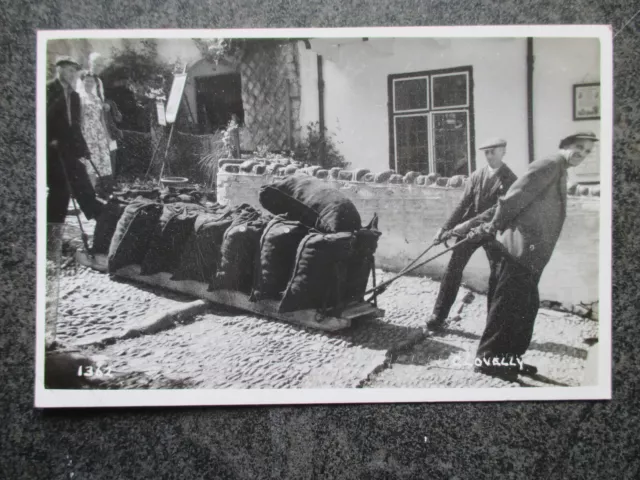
x=289, y=119
x=236, y=138
x=166, y=153
x=322, y=151
x=530, y=62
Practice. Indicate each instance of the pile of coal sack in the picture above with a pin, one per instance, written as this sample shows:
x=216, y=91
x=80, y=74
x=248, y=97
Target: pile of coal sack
x=307, y=249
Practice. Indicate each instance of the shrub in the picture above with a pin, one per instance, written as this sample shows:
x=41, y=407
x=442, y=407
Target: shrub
x=309, y=150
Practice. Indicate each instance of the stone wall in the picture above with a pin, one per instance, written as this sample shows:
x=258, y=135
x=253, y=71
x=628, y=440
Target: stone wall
x=412, y=208
x=271, y=95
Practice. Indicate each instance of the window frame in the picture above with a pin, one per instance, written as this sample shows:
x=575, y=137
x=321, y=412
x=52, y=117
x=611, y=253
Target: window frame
x=450, y=74
x=427, y=92
x=429, y=111
x=406, y=115
x=432, y=160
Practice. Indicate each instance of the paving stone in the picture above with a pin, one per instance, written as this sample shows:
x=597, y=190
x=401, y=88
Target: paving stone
x=226, y=348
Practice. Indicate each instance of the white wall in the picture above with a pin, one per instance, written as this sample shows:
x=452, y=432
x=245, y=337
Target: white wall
x=356, y=95
x=559, y=64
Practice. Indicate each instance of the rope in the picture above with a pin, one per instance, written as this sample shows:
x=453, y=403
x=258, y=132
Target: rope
x=406, y=270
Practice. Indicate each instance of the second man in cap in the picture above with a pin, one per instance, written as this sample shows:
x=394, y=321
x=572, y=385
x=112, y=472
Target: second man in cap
x=477, y=206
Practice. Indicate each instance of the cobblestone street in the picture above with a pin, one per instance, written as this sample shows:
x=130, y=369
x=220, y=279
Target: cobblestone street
x=209, y=346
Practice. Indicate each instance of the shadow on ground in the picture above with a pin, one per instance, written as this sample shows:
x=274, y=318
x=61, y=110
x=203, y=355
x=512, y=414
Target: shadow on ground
x=427, y=352
x=545, y=347
x=376, y=334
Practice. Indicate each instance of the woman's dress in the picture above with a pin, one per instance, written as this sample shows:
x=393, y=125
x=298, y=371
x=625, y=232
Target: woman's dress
x=96, y=136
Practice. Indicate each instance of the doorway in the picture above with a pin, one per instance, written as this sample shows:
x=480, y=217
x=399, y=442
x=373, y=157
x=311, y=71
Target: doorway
x=218, y=97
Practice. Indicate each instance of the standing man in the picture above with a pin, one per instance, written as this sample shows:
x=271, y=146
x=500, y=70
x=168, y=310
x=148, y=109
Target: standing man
x=529, y=219
x=66, y=175
x=477, y=205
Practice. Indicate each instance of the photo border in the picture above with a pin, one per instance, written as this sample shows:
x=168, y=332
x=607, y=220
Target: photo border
x=46, y=398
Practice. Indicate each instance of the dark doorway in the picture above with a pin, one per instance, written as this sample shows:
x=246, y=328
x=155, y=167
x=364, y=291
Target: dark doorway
x=218, y=97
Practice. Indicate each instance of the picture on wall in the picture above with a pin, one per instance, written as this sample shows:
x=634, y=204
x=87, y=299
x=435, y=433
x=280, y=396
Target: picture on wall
x=586, y=101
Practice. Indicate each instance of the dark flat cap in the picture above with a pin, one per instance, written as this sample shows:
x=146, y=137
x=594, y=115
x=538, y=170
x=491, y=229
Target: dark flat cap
x=493, y=143
x=67, y=60
x=578, y=136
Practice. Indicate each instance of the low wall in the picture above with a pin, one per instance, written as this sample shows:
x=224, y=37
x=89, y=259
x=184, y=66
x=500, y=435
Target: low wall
x=409, y=215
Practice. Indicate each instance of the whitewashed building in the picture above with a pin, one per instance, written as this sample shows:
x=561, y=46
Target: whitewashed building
x=422, y=104
x=426, y=104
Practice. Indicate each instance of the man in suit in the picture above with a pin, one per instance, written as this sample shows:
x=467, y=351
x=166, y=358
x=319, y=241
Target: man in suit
x=476, y=206
x=528, y=221
x=66, y=175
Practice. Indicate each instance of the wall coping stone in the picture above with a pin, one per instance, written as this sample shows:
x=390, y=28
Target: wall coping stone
x=366, y=178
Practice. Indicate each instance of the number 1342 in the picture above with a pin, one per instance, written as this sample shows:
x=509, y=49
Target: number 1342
x=90, y=371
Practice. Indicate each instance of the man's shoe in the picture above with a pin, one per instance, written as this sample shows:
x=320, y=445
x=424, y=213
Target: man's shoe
x=528, y=369
x=435, y=323
x=509, y=374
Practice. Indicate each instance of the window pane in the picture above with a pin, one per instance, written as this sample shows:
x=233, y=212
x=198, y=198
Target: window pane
x=451, y=143
x=410, y=94
x=412, y=144
x=450, y=91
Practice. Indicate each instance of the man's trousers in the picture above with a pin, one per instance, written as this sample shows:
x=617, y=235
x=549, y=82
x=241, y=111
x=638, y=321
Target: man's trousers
x=59, y=194
x=450, y=284
x=512, y=312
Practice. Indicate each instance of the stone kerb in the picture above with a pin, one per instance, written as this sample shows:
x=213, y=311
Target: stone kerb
x=412, y=207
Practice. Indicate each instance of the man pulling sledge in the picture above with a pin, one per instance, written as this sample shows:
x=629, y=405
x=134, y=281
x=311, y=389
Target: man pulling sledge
x=477, y=206
x=527, y=221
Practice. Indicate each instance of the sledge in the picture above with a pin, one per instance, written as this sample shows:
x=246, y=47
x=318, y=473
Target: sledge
x=332, y=321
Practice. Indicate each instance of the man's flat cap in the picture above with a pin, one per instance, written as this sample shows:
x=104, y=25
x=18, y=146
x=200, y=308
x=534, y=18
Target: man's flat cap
x=67, y=60
x=493, y=143
x=578, y=136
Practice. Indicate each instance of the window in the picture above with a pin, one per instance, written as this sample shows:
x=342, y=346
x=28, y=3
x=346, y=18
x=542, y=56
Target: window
x=431, y=122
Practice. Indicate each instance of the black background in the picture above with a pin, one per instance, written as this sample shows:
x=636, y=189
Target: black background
x=469, y=440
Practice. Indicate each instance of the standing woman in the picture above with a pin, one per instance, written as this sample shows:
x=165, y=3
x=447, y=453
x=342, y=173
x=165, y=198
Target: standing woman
x=96, y=135
x=112, y=115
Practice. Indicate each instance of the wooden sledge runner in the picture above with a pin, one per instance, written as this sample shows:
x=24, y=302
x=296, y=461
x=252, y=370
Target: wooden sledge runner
x=268, y=308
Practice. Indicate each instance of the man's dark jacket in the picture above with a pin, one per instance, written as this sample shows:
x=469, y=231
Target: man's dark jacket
x=71, y=143
x=480, y=197
x=531, y=215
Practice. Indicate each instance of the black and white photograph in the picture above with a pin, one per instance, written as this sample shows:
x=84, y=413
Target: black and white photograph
x=315, y=216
